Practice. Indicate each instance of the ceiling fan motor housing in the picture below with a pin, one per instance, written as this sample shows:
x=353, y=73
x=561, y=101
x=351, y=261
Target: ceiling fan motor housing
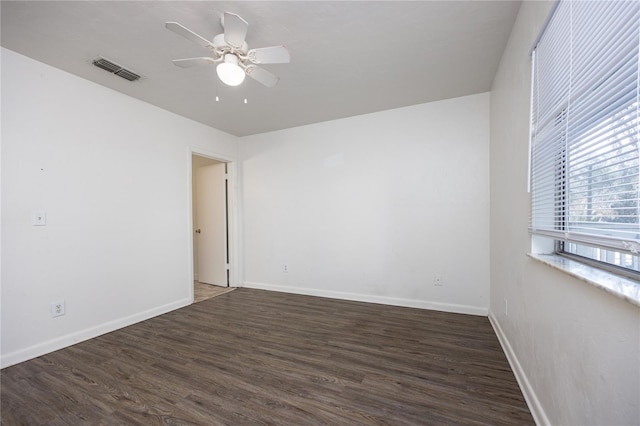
x=221, y=44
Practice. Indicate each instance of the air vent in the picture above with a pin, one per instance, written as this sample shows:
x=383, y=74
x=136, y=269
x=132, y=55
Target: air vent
x=127, y=75
x=116, y=69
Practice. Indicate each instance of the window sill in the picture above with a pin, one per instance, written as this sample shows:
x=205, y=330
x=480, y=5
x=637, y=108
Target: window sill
x=624, y=288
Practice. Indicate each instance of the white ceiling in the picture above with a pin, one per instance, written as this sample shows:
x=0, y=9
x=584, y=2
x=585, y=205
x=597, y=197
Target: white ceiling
x=348, y=57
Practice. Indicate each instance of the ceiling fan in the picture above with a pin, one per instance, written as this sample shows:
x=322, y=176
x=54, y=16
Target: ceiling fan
x=232, y=54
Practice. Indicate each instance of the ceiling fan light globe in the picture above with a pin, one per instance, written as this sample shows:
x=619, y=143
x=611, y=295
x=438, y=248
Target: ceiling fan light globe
x=229, y=72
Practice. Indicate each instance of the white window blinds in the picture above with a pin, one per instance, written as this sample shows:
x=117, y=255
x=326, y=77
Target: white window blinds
x=585, y=125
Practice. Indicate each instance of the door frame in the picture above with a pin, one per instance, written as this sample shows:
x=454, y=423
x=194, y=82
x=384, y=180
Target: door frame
x=232, y=214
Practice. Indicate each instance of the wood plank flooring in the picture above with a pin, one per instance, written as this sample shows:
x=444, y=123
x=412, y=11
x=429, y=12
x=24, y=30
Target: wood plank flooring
x=258, y=357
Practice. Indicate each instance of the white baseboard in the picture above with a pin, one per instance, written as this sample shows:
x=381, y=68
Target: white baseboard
x=407, y=303
x=539, y=416
x=89, y=333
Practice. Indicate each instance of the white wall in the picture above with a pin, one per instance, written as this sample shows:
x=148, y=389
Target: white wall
x=373, y=207
x=575, y=348
x=113, y=175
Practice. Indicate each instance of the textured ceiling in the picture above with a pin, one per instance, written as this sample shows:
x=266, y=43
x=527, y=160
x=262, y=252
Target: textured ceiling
x=348, y=58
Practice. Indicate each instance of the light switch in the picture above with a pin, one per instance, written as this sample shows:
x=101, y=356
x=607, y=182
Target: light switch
x=39, y=218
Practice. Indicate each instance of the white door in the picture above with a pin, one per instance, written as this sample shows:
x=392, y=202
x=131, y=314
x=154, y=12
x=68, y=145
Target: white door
x=211, y=227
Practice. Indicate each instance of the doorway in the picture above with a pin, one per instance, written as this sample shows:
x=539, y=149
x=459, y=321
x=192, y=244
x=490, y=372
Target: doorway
x=210, y=208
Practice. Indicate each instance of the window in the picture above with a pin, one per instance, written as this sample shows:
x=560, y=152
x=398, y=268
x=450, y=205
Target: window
x=585, y=138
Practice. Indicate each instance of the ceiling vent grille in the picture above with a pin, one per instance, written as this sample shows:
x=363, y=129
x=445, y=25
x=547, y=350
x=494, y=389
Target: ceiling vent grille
x=116, y=69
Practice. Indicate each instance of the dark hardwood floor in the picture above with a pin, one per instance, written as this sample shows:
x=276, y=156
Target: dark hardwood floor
x=258, y=357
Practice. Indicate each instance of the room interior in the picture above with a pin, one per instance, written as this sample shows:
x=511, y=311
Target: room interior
x=389, y=165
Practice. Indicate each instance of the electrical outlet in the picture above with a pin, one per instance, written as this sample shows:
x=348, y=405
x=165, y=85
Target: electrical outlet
x=437, y=281
x=285, y=268
x=506, y=313
x=57, y=308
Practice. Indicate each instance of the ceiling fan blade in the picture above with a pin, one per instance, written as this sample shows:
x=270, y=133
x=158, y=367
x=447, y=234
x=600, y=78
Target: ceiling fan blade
x=270, y=55
x=190, y=35
x=194, y=62
x=235, y=29
x=262, y=76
